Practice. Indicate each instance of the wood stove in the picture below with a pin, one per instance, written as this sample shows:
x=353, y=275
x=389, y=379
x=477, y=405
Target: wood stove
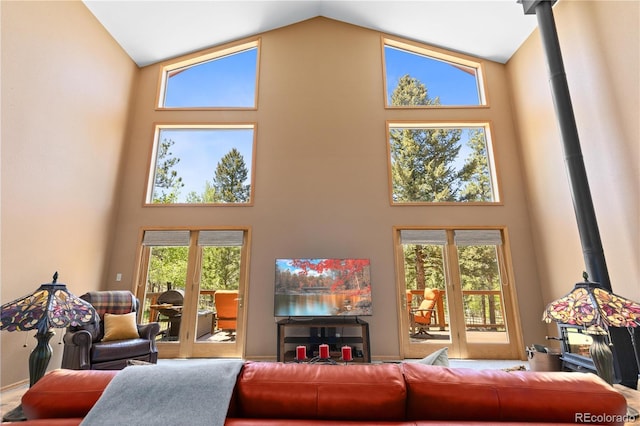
x=575, y=345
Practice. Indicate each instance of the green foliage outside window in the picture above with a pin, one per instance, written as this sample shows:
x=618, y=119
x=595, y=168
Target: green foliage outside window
x=167, y=268
x=428, y=164
x=220, y=265
x=426, y=167
x=220, y=268
x=167, y=183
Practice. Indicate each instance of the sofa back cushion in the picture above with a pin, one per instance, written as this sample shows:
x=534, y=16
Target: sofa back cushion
x=320, y=391
x=455, y=394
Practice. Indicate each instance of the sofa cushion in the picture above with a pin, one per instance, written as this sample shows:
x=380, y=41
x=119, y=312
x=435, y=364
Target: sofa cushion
x=123, y=349
x=443, y=393
x=321, y=391
x=65, y=393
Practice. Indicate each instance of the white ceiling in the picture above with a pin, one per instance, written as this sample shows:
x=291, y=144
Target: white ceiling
x=154, y=30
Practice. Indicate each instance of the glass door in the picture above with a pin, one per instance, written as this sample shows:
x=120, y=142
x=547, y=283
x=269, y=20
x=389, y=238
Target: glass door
x=454, y=292
x=192, y=282
x=423, y=283
x=221, y=274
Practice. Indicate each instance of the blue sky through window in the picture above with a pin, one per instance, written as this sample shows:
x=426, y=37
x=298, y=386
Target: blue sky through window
x=453, y=85
x=200, y=150
x=229, y=81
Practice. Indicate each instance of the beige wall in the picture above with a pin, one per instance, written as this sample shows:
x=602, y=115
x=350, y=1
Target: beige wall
x=321, y=175
x=599, y=42
x=65, y=94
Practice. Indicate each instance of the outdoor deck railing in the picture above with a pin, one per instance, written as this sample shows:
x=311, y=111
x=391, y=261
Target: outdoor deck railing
x=473, y=318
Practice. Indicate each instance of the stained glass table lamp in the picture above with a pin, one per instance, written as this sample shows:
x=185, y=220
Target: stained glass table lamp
x=596, y=309
x=50, y=306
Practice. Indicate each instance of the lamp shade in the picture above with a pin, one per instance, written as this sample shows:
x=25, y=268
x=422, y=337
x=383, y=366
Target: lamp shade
x=596, y=309
x=590, y=305
x=50, y=306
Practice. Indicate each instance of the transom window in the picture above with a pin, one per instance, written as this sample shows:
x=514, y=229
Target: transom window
x=418, y=77
x=226, y=78
x=440, y=163
x=207, y=164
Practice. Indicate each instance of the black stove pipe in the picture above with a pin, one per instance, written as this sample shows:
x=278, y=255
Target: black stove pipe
x=592, y=250
x=582, y=203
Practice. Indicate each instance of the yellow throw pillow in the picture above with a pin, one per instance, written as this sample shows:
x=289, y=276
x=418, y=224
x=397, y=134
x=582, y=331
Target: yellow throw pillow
x=120, y=327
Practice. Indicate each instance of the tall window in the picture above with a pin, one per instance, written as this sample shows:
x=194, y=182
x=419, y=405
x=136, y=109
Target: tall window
x=440, y=163
x=419, y=77
x=226, y=78
x=209, y=164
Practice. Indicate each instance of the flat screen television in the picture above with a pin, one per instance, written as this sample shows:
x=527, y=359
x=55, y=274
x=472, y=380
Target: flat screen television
x=322, y=287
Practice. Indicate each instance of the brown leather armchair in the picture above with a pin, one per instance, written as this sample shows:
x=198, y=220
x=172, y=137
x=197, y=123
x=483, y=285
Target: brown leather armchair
x=84, y=348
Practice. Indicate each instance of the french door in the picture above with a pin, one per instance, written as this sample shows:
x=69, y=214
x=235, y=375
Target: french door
x=455, y=291
x=193, y=282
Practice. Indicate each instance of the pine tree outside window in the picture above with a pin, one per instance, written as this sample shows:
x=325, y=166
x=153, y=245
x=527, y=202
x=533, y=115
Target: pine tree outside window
x=440, y=164
x=417, y=77
x=208, y=164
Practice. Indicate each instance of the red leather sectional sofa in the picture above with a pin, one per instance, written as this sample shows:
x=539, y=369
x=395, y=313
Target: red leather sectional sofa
x=281, y=394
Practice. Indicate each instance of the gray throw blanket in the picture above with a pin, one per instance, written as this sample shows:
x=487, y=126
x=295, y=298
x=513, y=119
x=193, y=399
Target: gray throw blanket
x=190, y=395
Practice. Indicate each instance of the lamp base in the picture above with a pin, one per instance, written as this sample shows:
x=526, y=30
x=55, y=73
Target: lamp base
x=40, y=356
x=15, y=415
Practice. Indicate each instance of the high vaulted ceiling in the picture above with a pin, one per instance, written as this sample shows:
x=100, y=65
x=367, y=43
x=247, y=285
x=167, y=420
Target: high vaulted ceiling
x=154, y=30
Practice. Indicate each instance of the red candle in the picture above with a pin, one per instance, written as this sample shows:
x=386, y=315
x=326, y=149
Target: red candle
x=346, y=353
x=324, y=351
x=301, y=353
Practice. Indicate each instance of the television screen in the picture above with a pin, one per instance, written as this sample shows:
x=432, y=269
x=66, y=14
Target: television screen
x=322, y=287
